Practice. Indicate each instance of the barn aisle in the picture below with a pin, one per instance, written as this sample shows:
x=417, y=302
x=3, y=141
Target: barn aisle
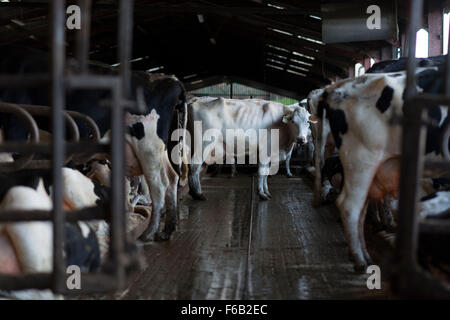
x=285, y=249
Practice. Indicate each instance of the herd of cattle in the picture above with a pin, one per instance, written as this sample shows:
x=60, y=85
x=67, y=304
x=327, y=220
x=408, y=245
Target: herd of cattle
x=347, y=124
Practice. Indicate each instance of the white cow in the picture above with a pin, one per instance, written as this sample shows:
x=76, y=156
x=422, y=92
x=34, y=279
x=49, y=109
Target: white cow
x=160, y=177
x=26, y=247
x=216, y=116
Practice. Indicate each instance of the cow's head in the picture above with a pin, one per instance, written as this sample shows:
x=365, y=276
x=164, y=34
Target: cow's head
x=301, y=120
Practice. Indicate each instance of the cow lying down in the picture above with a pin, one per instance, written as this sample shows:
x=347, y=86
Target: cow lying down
x=359, y=112
x=26, y=247
x=163, y=94
x=246, y=119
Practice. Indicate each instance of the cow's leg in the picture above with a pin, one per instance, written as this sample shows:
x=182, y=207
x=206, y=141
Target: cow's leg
x=318, y=161
x=170, y=201
x=157, y=192
x=233, y=170
x=288, y=164
x=195, y=188
x=387, y=219
x=266, y=187
x=359, y=170
x=262, y=175
x=143, y=194
x=362, y=237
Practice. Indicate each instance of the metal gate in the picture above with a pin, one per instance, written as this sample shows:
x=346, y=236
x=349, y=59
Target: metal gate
x=119, y=86
x=408, y=277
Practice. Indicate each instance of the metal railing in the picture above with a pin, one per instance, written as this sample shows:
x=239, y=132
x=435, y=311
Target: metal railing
x=60, y=151
x=409, y=279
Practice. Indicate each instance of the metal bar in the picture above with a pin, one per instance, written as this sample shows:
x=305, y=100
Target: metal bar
x=437, y=165
x=411, y=169
x=58, y=128
x=164, y=9
x=47, y=111
x=34, y=135
x=412, y=162
x=86, y=214
x=21, y=81
x=91, y=82
x=82, y=38
x=89, y=121
x=27, y=281
x=117, y=234
x=118, y=223
x=447, y=69
x=125, y=45
x=24, y=115
x=427, y=100
x=71, y=148
x=414, y=25
x=101, y=282
x=435, y=227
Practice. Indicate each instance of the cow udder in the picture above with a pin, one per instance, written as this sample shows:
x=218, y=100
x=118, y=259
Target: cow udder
x=386, y=180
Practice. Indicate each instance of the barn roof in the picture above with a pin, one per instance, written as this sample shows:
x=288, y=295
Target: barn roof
x=273, y=45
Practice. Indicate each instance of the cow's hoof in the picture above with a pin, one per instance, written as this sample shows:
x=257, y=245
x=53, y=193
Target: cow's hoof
x=269, y=195
x=162, y=236
x=198, y=196
x=263, y=197
x=290, y=175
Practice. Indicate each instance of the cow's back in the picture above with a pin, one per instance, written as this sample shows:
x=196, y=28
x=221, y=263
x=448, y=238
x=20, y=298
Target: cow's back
x=245, y=114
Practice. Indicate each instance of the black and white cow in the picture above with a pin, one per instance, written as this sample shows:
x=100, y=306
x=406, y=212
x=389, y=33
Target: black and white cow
x=359, y=112
x=164, y=95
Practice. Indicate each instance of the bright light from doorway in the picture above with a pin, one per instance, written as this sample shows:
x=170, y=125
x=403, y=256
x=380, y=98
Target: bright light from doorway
x=422, y=44
x=446, y=30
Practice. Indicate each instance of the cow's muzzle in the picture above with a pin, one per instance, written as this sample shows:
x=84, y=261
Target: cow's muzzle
x=301, y=141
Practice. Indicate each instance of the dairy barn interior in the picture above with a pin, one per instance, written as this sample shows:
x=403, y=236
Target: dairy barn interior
x=100, y=105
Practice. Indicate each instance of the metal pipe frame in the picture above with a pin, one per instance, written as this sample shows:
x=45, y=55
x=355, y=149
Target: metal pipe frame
x=34, y=135
x=47, y=111
x=114, y=278
x=408, y=278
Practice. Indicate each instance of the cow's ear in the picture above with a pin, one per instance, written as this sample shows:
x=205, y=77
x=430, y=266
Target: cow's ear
x=313, y=119
x=287, y=117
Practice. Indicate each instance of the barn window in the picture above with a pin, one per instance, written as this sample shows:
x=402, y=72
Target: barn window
x=422, y=44
x=446, y=30
x=359, y=70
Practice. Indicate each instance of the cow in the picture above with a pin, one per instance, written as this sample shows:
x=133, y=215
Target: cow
x=324, y=138
x=359, y=112
x=26, y=247
x=163, y=94
x=305, y=150
x=222, y=114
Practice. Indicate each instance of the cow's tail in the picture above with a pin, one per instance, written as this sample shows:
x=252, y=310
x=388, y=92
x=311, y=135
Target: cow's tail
x=182, y=112
x=318, y=144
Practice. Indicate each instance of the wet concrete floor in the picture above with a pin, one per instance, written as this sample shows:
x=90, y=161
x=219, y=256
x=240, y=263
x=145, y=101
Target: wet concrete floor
x=227, y=248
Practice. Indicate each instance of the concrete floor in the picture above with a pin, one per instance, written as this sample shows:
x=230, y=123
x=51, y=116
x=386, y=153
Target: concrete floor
x=225, y=249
